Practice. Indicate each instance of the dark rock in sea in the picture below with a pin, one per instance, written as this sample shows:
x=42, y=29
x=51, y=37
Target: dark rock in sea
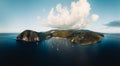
x=83, y=37
x=28, y=36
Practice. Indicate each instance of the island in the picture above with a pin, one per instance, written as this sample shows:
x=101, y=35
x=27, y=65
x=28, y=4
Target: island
x=83, y=37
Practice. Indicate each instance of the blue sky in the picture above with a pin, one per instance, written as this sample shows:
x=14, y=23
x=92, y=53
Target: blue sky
x=19, y=15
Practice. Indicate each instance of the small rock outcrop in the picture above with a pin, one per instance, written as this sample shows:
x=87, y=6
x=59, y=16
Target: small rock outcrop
x=28, y=36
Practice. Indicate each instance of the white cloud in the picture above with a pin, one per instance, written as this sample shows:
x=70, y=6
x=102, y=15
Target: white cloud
x=94, y=17
x=74, y=18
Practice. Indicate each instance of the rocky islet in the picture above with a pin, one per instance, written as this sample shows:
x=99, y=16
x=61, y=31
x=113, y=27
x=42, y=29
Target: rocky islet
x=83, y=37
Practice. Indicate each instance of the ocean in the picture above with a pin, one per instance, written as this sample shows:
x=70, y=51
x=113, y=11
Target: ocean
x=59, y=52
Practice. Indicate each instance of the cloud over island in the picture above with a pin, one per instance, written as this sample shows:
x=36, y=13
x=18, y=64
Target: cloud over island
x=76, y=17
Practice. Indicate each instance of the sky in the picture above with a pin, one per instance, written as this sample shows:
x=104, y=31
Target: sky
x=20, y=15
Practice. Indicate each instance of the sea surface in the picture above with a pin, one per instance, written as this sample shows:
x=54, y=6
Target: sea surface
x=59, y=52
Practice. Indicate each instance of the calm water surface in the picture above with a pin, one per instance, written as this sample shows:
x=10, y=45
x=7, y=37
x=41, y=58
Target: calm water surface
x=59, y=52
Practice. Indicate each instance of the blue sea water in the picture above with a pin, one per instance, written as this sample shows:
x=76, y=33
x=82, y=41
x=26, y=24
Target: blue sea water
x=59, y=52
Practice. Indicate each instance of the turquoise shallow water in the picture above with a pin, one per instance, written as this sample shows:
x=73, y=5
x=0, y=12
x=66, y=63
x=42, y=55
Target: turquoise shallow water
x=59, y=52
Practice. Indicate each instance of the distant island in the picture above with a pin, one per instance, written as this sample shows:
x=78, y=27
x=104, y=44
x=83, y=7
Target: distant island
x=83, y=37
